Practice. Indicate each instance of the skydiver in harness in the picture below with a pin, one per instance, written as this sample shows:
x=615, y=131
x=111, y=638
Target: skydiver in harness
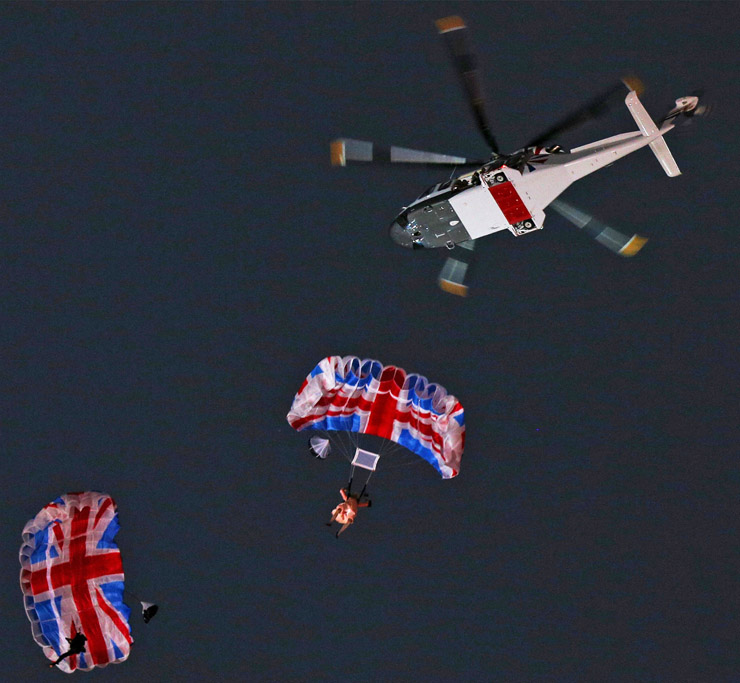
x=345, y=512
x=76, y=647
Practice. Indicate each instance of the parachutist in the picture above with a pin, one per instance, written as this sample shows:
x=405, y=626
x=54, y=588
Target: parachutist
x=70, y=560
x=346, y=512
x=76, y=647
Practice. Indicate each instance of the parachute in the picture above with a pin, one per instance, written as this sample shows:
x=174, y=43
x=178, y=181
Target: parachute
x=319, y=447
x=365, y=397
x=72, y=580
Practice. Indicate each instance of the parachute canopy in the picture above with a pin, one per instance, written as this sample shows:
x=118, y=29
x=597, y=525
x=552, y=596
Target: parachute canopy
x=72, y=580
x=363, y=396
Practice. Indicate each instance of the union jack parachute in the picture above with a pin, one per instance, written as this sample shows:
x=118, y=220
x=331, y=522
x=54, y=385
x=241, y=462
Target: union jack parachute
x=72, y=580
x=366, y=397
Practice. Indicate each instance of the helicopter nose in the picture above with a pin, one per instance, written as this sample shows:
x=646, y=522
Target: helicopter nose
x=401, y=236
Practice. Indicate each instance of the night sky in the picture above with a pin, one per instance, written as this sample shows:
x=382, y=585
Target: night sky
x=177, y=255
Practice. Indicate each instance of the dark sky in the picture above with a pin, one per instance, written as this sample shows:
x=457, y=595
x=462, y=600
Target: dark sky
x=177, y=254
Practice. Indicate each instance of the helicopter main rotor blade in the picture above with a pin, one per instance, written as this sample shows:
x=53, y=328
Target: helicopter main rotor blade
x=612, y=239
x=593, y=109
x=456, y=269
x=344, y=151
x=454, y=32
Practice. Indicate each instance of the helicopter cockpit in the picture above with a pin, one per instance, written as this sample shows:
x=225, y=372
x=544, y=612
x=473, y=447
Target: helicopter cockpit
x=448, y=187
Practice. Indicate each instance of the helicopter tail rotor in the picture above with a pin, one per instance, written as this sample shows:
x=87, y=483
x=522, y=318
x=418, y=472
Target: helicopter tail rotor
x=612, y=239
x=688, y=107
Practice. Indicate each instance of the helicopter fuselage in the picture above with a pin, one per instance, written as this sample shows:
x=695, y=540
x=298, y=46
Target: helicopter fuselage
x=471, y=206
x=511, y=192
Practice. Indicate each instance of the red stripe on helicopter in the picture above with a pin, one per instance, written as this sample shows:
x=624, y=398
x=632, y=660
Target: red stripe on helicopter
x=510, y=203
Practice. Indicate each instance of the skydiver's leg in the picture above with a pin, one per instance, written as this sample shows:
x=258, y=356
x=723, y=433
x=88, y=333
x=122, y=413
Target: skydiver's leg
x=61, y=657
x=333, y=517
x=344, y=526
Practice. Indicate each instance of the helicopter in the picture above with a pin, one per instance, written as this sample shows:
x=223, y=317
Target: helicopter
x=511, y=191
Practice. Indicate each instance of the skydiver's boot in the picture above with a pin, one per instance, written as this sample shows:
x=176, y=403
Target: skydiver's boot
x=76, y=647
x=61, y=657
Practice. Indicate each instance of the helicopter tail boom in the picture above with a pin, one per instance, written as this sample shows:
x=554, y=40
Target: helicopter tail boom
x=648, y=128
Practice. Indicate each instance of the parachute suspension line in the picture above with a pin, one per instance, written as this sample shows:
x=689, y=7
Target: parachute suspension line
x=387, y=446
x=406, y=463
x=354, y=440
x=390, y=448
x=337, y=438
x=133, y=595
x=364, y=488
x=345, y=441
